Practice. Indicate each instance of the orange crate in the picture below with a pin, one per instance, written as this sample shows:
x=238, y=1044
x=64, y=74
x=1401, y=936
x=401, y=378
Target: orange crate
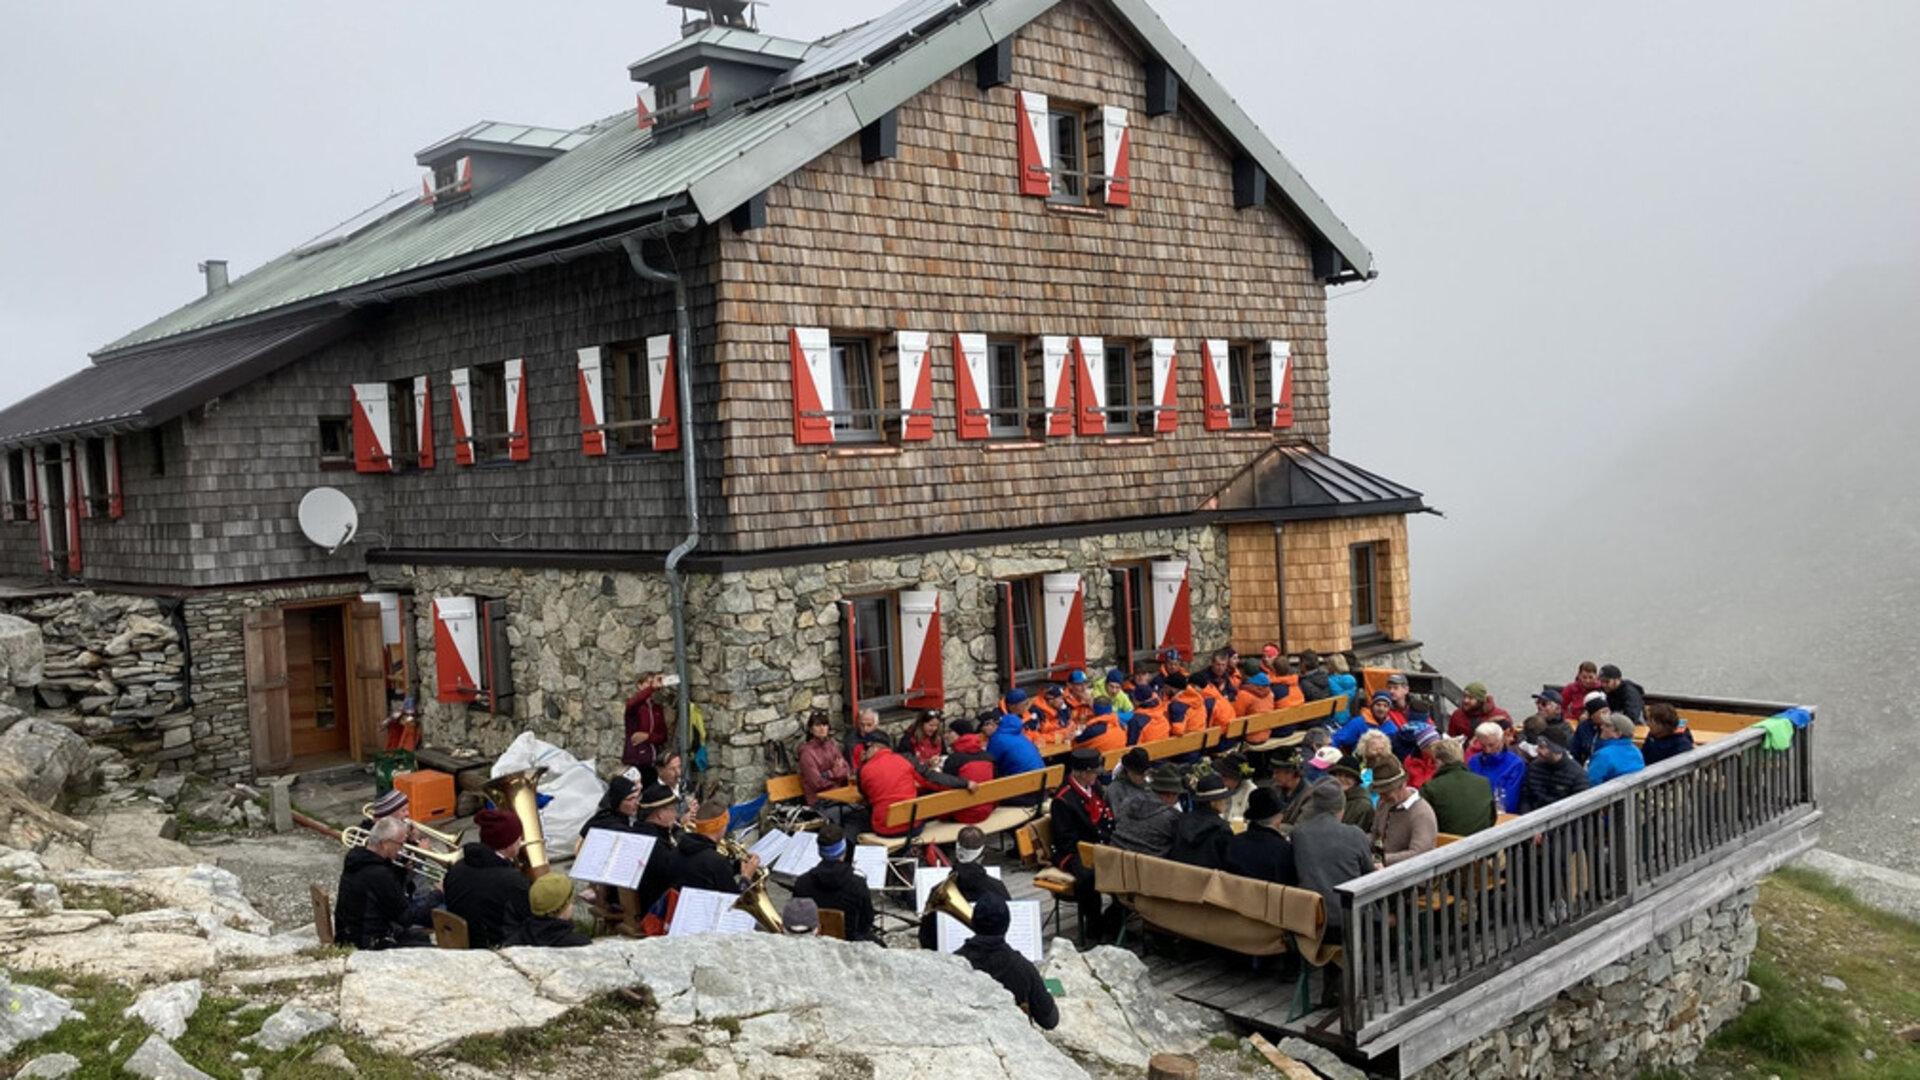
x=429, y=794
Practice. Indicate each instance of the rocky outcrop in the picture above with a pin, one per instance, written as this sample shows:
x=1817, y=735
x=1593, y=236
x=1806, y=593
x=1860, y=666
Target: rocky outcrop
x=292, y=1024
x=1112, y=1014
x=158, y=1060
x=166, y=1009
x=42, y=758
x=22, y=654
x=28, y=1012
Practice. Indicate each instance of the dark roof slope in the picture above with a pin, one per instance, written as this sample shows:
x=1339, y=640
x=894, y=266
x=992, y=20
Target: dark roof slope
x=1299, y=483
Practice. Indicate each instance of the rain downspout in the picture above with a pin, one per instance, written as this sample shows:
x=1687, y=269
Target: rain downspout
x=683, y=373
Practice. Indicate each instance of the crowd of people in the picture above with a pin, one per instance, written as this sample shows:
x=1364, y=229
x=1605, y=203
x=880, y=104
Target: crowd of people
x=1377, y=783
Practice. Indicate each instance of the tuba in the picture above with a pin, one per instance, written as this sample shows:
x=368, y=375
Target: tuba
x=518, y=794
x=754, y=901
x=429, y=864
x=946, y=897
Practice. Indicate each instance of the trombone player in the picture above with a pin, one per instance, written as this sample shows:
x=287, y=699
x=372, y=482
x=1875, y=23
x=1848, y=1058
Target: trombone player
x=425, y=893
x=375, y=905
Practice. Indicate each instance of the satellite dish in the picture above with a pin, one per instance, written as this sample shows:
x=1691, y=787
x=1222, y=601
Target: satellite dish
x=328, y=518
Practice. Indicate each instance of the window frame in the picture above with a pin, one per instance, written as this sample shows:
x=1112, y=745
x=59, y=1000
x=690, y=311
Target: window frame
x=630, y=414
x=17, y=484
x=404, y=453
x=1367, y=555
x=342, y=459
x=1027, y=596
x=1145, y=647
x=888, y=607
x=487, y=398
x=99, y=484
x=1072, y=180
x=853, y=422
x=1255, y=413
x=1021, y=388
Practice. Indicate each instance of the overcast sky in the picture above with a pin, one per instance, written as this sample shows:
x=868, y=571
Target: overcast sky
x=1583, y=216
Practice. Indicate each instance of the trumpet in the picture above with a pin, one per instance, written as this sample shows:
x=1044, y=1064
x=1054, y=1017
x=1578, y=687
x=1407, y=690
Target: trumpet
x=431, y=865
x=445, y=840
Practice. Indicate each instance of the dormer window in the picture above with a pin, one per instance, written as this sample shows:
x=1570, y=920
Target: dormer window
x=488, y=155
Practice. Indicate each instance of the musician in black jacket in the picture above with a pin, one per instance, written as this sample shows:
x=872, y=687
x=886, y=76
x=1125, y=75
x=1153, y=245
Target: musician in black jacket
x=987, y=950
x=1200, y=836
x=486, y=887
x=659, y=813
x=973, y=880
x=833, y=884
x=1080, y=813
x=619, y=807
x=371, y=909
x=698, y=863
x=1261, y=852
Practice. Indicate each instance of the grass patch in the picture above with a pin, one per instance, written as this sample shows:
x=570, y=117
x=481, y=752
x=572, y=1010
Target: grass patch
x=105, y=1039
x=519, y=1049
x=1226, y=1044
x=115, y=902
x=1810, y=928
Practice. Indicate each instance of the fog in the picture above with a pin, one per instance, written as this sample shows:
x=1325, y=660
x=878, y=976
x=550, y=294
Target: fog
x=1645, y=329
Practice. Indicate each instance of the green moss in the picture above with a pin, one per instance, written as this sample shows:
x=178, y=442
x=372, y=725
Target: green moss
x=520, y=1048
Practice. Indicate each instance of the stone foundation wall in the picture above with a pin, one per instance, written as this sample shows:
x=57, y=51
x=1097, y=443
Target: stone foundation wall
x=1651, y=1010
x=119, y=663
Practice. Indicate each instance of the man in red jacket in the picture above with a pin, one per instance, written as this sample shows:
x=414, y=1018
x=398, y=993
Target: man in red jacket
x=1573, y=696
x=647, y=726
x=1476, y=708
x=888, y=777
x=968, y=760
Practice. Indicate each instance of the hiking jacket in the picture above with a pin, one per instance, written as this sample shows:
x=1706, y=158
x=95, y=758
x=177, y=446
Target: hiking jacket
x=1145, y=824
x=823, y=766
x=370, y=908
x=1654, y=751
x=889, y=778
x=970, y=761
x=1548, y=782
x=833, y=884
x=1012, y=752
x=1506, y=771
x=1614, y=757
x=991, y=955
x=490, y=893
x=1629, y=698
x=1461, y=724
x=1462, y=800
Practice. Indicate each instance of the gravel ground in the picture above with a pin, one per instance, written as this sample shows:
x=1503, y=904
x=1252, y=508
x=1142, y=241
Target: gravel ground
x=275, y=869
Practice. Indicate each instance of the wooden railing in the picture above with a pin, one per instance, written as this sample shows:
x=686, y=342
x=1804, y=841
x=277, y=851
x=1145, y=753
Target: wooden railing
x=1456, y=916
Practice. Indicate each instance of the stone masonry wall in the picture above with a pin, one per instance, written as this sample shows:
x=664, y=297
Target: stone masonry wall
x=119, y=663
x=1652, y=1010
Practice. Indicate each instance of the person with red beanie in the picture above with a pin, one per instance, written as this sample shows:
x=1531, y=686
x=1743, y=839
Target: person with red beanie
x=486, y=887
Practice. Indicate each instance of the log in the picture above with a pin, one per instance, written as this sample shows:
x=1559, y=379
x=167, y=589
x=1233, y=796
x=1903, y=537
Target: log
x=1289, y=1068
x=1172, y=1067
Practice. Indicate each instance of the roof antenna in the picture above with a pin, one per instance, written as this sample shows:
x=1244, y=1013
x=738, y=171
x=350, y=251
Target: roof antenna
x=698, y=15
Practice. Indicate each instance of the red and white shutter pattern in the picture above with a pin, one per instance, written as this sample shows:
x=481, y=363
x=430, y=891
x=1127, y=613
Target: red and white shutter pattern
x=812, y=359
x=1063, y=612
x=44, y=514
x=1280, y=359
x=7, y=493
x=1090, y=371
x=1036, y=144
x=1164, y=386
x=33, y=485
x=75, y=454
x=372, y=429
x=462, y=382
x=519, y=440
x=1172, y=607
x=644, y=107
x=1118, y=148
x=456, y=648
x=920, y=649
x=700, y=89
x=916, y=385
x=593, y=404
x=75, y=504
x=972, y=383
x=423, y=418
x=1058, y=378
x=1218, y=383
x=663, y=391
x=116, y=493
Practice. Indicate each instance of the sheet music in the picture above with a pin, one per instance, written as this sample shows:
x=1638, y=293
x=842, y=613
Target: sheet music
x=801, y=855
x=1023, y=931
x=770, y=846
x=735, y=922
x=870, y=862
x=697, y=911
x=928, y=878
x=613, y=858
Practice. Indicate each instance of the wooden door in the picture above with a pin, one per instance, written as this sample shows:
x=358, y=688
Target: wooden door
x=53, y=482
x=267, y=704
x=317, y=681
x=366, y=687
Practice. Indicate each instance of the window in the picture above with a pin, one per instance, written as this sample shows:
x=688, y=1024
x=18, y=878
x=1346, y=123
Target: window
x=1028, y=628
x=1136, y=581
x=630, y=413
x=857, y=384
x=1069, y=125
x=157, y=451
x=1130, y=389
x=1007, y=388
x=1366, y=597
x=405, y=448
x=489, y=388
x=99, y=483
x=1249, y=389
x=336, y=442
x=17, y=485
x=876, y=651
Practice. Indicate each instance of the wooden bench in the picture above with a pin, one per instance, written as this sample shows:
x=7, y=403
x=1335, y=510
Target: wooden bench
x=788, y=788
x=921, y=816
x=1208, y=738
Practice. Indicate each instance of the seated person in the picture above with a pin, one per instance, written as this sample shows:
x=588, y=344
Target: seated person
x=486, y=887
x=1615, y=755
x=800, y=918
x=925, y=741
x=551, y=923
x=1200, y=837
x=1129, y=780
x=1462, y=800
x=1359, y=806
x=1403, y=823
x=1261, y=852
x=618, y=807
x=823, y=764
x=887, y=777
x=1079, y=814
x=1328, y=852
x=974, y=881
x=698, y=863
x=424, y=894
x=969, y=760
x=833, y=884
x=1554, y=774
x=1146, y=823
x=1104, y=731
x=1420, y=765
x=1666, y=736
x=1502, y=767
x=987, y=950
x=370, y=911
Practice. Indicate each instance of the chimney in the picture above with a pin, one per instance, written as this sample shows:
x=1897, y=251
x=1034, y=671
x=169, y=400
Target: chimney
x=216, y=271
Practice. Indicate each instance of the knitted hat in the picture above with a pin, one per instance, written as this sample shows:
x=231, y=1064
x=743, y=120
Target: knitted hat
x=1270, y=651
x=1015, y=696
x=1261, y=680
x=393, y=802
x=800, y=916
x=549, y=893
x=990, y=915
x=1114, y=674
x=1594, y=703
x=1165, y=780
x=1054, y=690
x=498, y=829
x=655, y=796
x=1427, y=737
x=1382, y=695
x=1262, y=804
x=1476, y=690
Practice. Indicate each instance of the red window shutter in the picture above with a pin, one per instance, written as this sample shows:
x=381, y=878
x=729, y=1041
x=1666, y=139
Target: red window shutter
x=372, y=429
x=700, y=89
x=1164, y=386
x=456, y=649
x=462, y=383
x=1036, y=144
x=1115, y=141
x=1125, y=604
x=116, y=497
x=643, y=107
x=519, y=436
x=1065, y=617
x=663, y=391
x=33, y=484
x=970, y=382
x=74, y=505
x=916, y=386
x=1090, y=369
x=1057, y=369
x=850, y=659
x=1003, y=645
x=920, y=653
x=1217, y=382
x=423, y=417
x=75, y=451
x=593, y=405
x=40, y=513
x=812, y=385
x=1172, y=608
x=1280, y=365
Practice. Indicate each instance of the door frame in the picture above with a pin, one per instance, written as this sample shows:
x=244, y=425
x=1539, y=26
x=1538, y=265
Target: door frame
x=363, y=730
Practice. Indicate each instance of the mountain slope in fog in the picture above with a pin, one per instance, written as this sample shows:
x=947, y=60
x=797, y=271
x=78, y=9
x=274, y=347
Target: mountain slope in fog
x=1761, y=541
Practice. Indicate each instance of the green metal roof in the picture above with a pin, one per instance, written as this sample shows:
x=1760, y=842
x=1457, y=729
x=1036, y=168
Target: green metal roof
x=618, y=174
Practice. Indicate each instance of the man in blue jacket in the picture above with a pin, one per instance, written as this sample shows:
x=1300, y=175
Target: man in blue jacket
x=1615, y=755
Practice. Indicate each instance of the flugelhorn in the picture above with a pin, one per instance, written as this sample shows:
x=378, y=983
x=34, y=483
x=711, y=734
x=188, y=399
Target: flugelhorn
x=518, y=794
x=446, y=840
x=754, y=901
x=431, y=865
x=946, y=897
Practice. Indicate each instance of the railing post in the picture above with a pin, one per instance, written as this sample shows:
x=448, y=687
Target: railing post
x=1630, y=846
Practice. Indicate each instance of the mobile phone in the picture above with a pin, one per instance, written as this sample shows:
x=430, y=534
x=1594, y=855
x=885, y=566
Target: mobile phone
x=669, y=680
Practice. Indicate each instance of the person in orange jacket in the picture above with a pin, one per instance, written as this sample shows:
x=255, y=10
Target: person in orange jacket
x=1218, y=706
x=1079, y=697
x=1181, y=689
x=1103, y=732
x=1256, y=697
x=1051, y=719
x=1149, y=722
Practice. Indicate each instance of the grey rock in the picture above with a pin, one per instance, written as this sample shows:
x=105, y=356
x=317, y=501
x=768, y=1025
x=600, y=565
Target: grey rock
x=331, y=1056
x=1320, y=1059
x=158, y=1060
x=48, y=1067
x=166, y=1009
x=1829, y=982
x=1111, y=1011
x=23, y=652
x=41, y=757
x=290, y=1025
x=1888, y=890
x=28, y=1012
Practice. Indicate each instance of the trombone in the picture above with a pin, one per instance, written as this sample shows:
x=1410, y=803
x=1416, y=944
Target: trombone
x=446, y=840
x=429, y=864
